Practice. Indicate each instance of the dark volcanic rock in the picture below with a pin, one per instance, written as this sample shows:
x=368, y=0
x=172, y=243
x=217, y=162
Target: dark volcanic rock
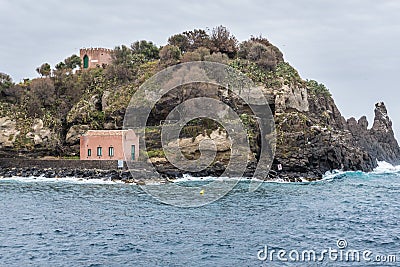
x=311, y=143
x=379, y=141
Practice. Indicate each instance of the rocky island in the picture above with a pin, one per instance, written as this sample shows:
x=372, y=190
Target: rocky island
x=46, y=116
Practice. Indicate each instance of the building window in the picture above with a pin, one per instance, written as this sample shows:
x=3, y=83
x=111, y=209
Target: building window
x=133, y=152
x=99, y=151
x=89, y=152
x=111, y=151
x=85, y=62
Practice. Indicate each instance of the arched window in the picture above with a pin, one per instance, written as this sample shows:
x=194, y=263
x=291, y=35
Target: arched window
x=85, y=62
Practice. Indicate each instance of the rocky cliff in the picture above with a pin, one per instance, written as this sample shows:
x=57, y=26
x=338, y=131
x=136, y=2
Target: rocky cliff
x=320, y=139
x=379, y=141
x=46, y=116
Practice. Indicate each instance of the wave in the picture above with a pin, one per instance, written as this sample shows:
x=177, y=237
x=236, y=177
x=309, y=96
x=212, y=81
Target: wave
x=385, y=167
x=188, y=178
x=382, y=168
x=72, y=180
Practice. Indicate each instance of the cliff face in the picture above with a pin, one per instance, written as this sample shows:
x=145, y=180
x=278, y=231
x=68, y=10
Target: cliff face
x=314, y=139
x=317, y=139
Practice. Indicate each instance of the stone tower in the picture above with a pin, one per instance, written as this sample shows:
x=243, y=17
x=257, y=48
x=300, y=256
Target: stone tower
x=95, y=57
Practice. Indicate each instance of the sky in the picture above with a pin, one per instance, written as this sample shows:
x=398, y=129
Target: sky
x=353, y=46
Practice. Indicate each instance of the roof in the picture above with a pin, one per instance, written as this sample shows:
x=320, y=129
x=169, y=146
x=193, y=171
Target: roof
x=105, y=132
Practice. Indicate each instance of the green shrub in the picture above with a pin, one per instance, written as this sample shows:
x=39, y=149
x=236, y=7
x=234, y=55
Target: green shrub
x=158, y=153
x=316, y=88
x=250, y=69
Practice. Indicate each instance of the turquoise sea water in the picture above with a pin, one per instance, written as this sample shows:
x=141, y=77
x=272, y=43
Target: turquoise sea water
x=75, y=223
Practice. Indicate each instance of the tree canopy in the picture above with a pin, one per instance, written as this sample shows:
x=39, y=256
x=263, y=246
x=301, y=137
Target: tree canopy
x=5, y=81
x=145, y=48
x=44, y=69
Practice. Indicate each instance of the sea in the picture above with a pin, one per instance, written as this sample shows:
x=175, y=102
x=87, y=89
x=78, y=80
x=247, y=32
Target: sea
x=345, y=219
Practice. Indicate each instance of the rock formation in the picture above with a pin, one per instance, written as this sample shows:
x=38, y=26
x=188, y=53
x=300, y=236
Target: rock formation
x=379, y=141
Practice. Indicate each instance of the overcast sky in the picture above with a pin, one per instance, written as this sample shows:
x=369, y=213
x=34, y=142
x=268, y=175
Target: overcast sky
x=352, y=46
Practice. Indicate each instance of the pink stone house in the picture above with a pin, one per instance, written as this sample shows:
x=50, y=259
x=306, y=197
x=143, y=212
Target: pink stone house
x=109, y=145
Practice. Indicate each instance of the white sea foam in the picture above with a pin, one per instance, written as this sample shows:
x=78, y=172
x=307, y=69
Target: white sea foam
x=329, y=175
x=189, y=178
x=385, y=167
x=72, y=180
x=382, y=168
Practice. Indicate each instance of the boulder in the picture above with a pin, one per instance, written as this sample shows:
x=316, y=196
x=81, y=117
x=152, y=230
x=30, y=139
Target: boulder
x=104, y=100
x=39, y=134
x=74, y=134
x=292, y=97
x=8, y=132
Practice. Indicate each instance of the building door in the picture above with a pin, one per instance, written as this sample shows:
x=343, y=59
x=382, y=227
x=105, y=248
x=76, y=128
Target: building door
x=85, y=62
x=133, y=152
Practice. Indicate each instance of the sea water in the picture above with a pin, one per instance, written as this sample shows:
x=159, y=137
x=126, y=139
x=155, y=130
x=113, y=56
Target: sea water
x=72, y=222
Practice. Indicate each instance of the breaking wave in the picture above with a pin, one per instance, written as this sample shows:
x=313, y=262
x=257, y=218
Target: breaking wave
x=71, y=180
x=383, y=168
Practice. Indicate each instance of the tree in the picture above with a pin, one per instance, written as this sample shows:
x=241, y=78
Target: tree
x=245, y=47
x=316, y=88
x=12, y=94
x=223, y=41
x=60, y=66
x=198, y=38
x=197, y=55
x=263, y=56
x=170, y=55
x=72, y=62
x=262, y=52
x=5, y=81
x=147, y=49
x=69, y=63
x=122, y=55
x=264, y=41
x=125, y=63
x=180, y=40
x=217, y=57
x=41, y=94
x=44, y=69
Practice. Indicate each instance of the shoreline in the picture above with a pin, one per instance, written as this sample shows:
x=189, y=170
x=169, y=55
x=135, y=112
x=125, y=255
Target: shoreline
x=108, y=169
x=136, y=176
x=88, y=174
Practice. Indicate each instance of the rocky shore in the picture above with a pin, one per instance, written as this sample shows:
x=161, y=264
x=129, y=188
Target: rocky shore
x=139, y=177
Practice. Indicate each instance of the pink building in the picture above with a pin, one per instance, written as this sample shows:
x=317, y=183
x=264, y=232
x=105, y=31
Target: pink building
x=109, y=145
